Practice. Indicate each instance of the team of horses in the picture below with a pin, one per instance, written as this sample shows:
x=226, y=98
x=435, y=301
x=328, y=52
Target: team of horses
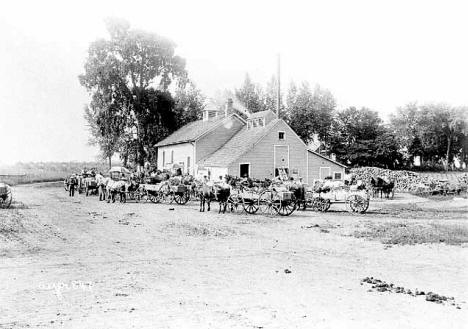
x=110, y=190
x=382, y=187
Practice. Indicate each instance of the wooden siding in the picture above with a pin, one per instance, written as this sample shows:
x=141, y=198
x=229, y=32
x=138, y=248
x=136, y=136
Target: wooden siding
x=217, y=137
x=181, y=152
x=316, y=162
x=261, y=156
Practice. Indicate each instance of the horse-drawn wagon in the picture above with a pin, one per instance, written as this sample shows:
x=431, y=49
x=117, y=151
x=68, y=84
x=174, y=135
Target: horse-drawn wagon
x=263, y=197
x=5, y=195
x=122, y=184
x=356, y=197
x=244, y=193
x=158, y=190
x=90, y=184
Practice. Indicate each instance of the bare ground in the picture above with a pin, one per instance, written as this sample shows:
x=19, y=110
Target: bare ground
x=80, y=263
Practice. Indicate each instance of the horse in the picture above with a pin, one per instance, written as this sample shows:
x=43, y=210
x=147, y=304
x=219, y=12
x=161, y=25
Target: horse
x=115, y=187
x=222, y=194
x=205, y=193
x=90, y=184
x=298, y=191
x=380, y=185
x=101, y=183
x=131, y=187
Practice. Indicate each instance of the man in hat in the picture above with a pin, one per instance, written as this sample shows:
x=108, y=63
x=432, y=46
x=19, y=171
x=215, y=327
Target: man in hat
x=73, y=183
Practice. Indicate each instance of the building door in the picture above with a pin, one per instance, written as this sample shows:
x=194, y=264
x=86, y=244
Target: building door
x=244, y=170
x=324, y=172
x=281, y=159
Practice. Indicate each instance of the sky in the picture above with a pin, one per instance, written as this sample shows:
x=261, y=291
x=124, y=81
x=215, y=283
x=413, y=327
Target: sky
x=378, y=54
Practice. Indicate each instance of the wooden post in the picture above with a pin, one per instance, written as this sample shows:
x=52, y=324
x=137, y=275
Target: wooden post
x=278, y=105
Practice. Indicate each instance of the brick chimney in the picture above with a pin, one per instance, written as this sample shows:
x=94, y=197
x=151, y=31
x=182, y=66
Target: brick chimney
x=228, y=108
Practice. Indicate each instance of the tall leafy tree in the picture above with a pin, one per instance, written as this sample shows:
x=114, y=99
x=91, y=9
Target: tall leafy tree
x=189, y=104
x=106, y=127
x=359, y=138
x=132, y=71
x=251, y=95
x=436, y=132
x=310, y=113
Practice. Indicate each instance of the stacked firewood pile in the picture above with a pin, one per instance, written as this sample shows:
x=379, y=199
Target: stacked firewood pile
x=405, y=181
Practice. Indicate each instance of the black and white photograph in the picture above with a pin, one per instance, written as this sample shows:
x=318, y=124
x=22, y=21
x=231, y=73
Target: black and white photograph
x=234, y=164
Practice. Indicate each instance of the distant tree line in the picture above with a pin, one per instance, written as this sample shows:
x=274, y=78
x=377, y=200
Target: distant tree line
x=140, y=93
x=436, y=133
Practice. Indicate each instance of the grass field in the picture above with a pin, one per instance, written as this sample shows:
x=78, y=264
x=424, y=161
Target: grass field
x=25, y=173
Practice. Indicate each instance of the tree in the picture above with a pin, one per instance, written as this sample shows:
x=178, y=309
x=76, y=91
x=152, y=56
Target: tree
x=433, y=131
x=387, y=150
x=271, y=97
x=189, y=104
x=359, y=138
x=251, y=95
x=455, y=125
x=310, y=114
x=132, y=72
x=106, y=127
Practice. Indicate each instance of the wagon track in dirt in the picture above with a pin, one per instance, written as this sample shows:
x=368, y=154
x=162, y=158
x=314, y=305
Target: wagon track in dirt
x=155, y=271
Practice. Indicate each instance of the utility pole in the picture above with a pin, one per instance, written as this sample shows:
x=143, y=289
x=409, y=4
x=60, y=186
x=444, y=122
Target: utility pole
x=278, y=105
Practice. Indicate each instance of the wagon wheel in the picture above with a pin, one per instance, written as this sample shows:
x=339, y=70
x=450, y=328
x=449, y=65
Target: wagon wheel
x=182, y=198
x=322, y=204
x=234, y=202
x=250, y=205
x=268, y=203
x=167, y=197
x=286, y=207
x=154, y=197
x=5, y=200
x=314, y=203
x=358, y=204
x=309, y=201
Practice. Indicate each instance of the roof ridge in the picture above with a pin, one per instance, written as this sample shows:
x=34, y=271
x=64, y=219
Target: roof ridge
x=268, y=128
x=214, y=124
x=221, y=146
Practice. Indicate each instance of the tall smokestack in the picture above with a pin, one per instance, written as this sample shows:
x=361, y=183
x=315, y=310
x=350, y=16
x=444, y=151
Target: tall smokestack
x=278, y=105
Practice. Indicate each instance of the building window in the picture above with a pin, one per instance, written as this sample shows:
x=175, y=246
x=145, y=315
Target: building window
x=172, y=156
x=281, y=135
x=337, y=175
x=244, y=170
x=164, y=158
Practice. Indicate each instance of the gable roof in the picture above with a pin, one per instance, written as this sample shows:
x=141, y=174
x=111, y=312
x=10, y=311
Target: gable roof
x=193, y=131
x=243, y=141
x=260, y=114
x=328, y=159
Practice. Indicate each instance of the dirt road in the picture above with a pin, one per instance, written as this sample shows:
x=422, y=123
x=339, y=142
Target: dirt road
x=80, y=263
